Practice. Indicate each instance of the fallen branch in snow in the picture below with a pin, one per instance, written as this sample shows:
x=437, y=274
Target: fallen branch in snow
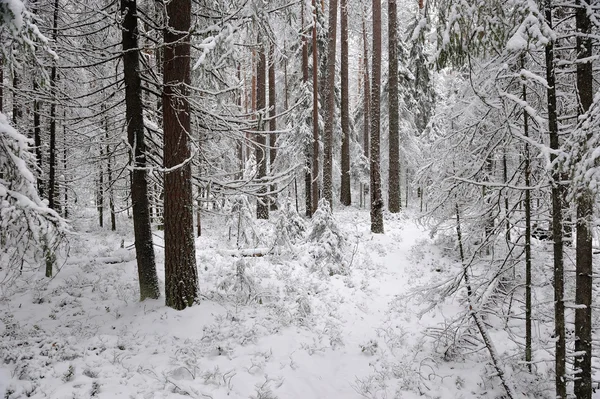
x=113, y=260
x=250, y=252
x=489, y=344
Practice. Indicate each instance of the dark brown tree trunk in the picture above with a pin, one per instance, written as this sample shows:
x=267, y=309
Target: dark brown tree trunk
x=528, y=351
x=240, y=144
x=199, y=213
x=111, y=191
x=315, y=78
x=506, y=207
x=557, y=229
x=100, y=188
x=366, y=98
x=142, y=228
x=286, y=91
x=65, y=169
x=181, y=275
x=585, y=208
x=53, y=81
x=2, y=84
x=272, y=123
x=16, y=111
x=307, y=150
x=345, y=194
x=330, y=105
x=262, y=202
x=376, y=199
x=394, y=201
x=37, y=139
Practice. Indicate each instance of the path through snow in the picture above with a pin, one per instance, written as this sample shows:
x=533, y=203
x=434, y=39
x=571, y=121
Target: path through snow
x=281, y=332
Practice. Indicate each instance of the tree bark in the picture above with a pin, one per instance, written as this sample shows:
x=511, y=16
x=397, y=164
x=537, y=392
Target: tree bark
x=37, y=138
x=52, y=203
x=315, y=78
x=134, y=109
x=366, y=99
x=585, y=208
x=2, y=84
x=330, y=105
x=262, y=202
x=65, y=169
x=557, y=230
x=528, y=313
x=16, y=106
x=376, y=199
x=181, y=275
x=272, y=123
x=345, y=194
x=308, y=148
x=394, y=201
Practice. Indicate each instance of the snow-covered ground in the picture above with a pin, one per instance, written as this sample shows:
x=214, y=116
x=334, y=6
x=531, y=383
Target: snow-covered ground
x=266, y=327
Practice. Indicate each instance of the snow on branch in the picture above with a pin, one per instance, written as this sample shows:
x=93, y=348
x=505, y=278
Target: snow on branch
x=28, y=227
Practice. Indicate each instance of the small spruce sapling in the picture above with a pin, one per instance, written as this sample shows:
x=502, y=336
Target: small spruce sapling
x=289, y=227
x=239, y=283
x=240, y=221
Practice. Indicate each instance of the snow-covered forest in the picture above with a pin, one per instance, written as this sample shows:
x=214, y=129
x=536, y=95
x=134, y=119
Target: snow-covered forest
x=299, y=199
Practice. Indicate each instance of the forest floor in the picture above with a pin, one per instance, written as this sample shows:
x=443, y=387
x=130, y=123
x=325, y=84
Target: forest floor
x=266, y=327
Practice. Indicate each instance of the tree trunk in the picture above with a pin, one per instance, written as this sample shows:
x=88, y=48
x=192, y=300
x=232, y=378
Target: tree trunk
x=199, y=213
x=585, y=209
x=308, y=148
x=52, y=159
x=100, y=189
x=272, y=123
x=366, y=91
x=262, y=202
x=240, y=144
x=345, y=194
x=181, y=275
x=65, y=168
x=558, y=278
x=506, y=207
x=315, y=77
x=111, y=194
x=527, y=235
x=366, y=99
x=109, y=160
x=394, y=201
x=16, y=111
x=376, y=200
x=37, y=138
x=330, y=105
x=144, y=249
x=2, y=84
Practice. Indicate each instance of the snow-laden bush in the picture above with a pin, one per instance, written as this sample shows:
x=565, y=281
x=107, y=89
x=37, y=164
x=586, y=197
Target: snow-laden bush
x=289, y=227
x=326, y=242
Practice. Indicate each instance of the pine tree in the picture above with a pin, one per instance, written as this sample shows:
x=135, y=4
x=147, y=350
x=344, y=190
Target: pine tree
x=376, y=197
x=262, y=202
x=181, y=275
x=394, y=201
x=329, y=90
x=557, y=219
x=315, y=116
x=144, y=248
x=585, y=209
x=345, y=194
